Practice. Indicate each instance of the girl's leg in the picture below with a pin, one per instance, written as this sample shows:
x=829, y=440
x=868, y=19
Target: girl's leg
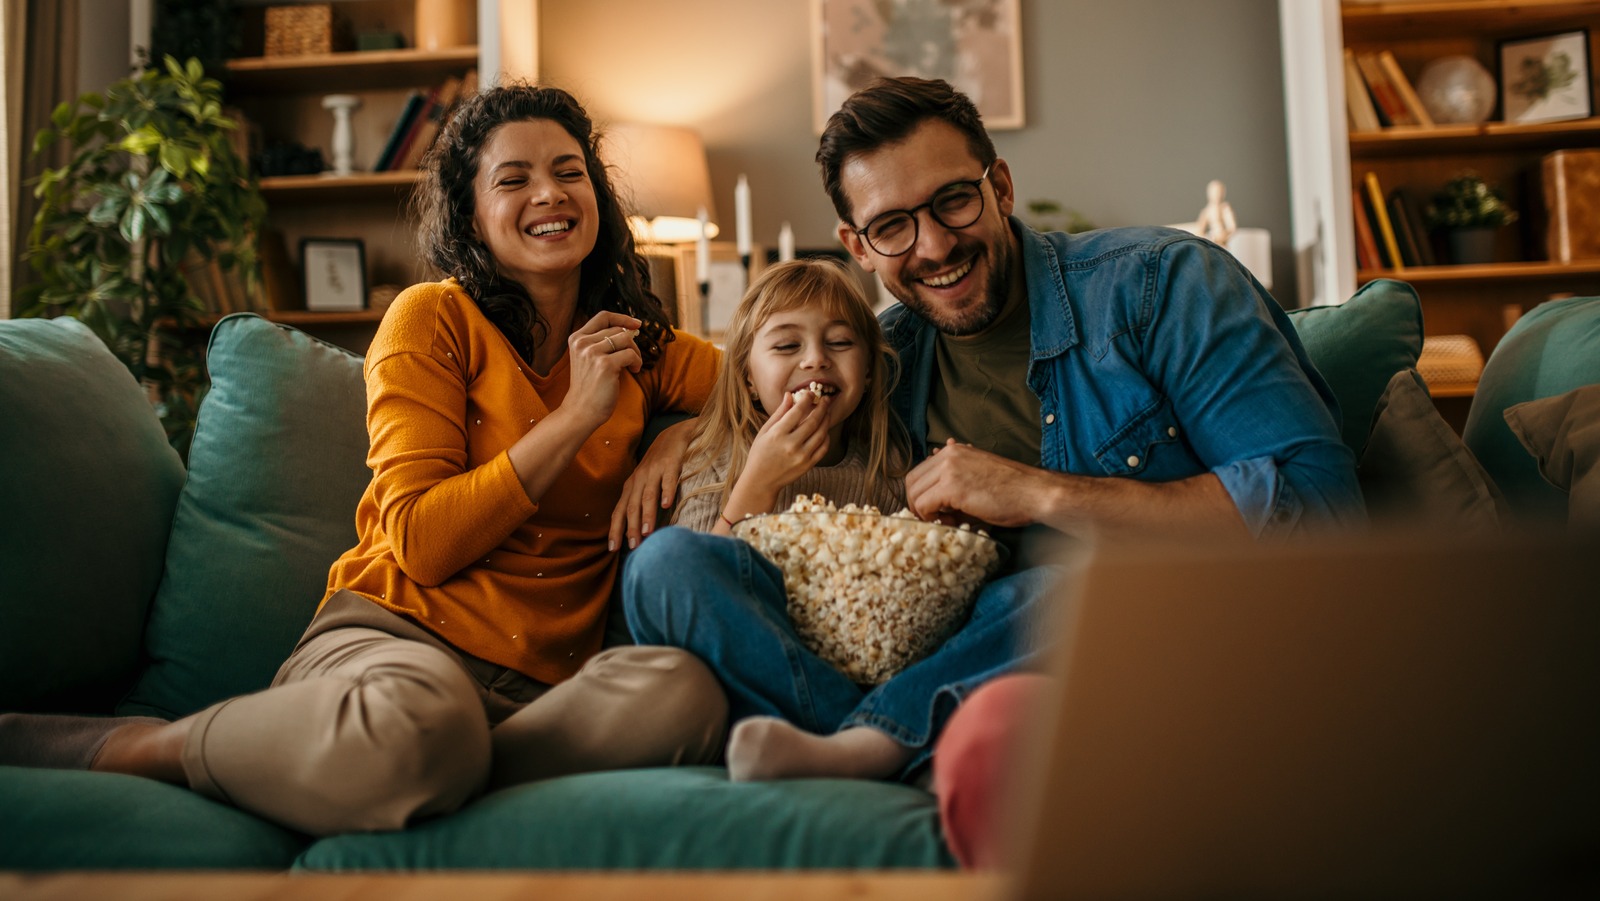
x=723, y=602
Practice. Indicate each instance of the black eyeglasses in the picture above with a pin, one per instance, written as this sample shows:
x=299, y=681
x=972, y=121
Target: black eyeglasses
x=956, y=205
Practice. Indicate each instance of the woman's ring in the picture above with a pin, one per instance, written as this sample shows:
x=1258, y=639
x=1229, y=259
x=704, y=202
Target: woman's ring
x=611, y=344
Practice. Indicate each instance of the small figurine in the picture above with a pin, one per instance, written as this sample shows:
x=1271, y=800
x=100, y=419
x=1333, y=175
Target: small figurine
x=1216, y=222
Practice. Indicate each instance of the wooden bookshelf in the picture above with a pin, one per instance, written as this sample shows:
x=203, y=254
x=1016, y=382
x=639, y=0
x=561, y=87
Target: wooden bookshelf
x=354, y=71
x=326, y=188
x=1487, y=272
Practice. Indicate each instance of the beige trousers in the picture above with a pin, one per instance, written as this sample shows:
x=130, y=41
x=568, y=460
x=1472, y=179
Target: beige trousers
x=373, y=721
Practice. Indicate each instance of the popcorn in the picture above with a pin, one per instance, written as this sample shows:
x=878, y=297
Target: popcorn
x=871, y=594
x=816, y=390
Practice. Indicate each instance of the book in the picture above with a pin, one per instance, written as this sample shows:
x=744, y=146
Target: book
x=1402, y=86
x=1571, y=189
x=1380, y=215
x=1367, y=256
x=1414, y=224
x=1384, y=95
x=429, y=122
x=1404, y=234
x=1358, y=103
x=402, y=126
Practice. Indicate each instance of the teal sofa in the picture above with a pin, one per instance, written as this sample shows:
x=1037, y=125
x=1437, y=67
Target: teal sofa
x=131, y=584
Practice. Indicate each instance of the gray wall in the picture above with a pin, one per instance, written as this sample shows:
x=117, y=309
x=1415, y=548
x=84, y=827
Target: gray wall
x=1132, y=105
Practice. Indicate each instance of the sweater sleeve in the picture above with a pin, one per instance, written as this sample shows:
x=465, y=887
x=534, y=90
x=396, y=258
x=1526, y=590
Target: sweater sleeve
x=681, y=380
x=438, y=513
x=701, y=511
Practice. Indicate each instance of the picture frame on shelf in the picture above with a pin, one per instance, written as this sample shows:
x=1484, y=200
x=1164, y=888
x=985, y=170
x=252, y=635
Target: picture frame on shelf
x=1547, y=78
x=977, y=48
x=335, y=273
x=708, y=317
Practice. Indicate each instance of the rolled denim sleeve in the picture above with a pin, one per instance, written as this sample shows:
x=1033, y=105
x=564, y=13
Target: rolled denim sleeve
x=1254, y=409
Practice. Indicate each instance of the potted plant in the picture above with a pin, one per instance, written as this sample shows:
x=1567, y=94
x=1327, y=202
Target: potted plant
x=153, y=189
x=1469, y=211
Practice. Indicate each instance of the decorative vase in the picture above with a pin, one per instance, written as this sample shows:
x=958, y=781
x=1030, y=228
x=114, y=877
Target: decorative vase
x=1472, y=245
x=1456, y=90
x=441, y=24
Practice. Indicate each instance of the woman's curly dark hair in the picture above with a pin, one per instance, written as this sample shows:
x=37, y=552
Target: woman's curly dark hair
x=613, y=277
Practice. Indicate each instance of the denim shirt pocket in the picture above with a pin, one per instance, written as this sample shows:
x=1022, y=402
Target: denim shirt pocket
x=1148, y=446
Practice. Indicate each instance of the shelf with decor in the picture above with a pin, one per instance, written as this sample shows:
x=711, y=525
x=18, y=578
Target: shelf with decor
x=1334, y=148
x=294, y=61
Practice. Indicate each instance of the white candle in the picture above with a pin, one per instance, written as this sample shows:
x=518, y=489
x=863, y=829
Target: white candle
x=702, y=252
x=785, y=243
x=741, y=210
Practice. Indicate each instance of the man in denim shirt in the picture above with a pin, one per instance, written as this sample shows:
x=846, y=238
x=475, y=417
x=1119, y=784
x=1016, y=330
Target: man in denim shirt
x=1159, y=382
x=1127, y=379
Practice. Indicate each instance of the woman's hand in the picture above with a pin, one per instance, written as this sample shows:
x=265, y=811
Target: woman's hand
x=788, y=445
x=599, y=351
x=653, y=487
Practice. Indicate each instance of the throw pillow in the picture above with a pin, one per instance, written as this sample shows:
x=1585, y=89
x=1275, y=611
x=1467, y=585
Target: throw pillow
x=1563, y=434
x=1416, y=468
x=276, y=469
x=1358, y=345
x=86, y=496
x=1553, y=349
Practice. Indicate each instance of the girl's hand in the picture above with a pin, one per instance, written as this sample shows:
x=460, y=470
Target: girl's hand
x=792, y=441
x=599, y=351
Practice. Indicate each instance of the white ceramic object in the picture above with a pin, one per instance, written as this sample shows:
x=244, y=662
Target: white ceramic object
x=1456, y=90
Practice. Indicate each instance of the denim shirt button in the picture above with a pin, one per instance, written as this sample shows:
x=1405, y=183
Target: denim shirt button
x=1133, y=460
x=1172, y=431
x=1050, y=419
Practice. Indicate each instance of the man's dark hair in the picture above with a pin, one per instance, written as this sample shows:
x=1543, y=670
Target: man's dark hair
x=887, y=111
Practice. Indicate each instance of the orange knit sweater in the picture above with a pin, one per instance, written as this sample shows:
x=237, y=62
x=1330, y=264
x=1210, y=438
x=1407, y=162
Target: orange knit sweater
x=448, y=536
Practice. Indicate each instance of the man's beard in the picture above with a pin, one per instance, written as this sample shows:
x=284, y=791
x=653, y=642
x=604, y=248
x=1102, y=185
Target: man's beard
x=969, y=321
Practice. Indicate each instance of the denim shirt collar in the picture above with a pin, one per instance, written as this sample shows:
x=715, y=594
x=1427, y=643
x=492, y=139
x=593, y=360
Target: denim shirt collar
x=1051, y=323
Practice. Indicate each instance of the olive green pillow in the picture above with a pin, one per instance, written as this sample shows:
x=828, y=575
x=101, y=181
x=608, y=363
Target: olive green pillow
x=1415, y=467
x=277, y=466
x=1563, y=434
x=1359, y=345
x=87, y=488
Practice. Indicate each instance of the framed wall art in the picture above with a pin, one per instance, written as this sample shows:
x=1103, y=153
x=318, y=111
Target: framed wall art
x=976, y=45
x=335, y=274
x=1546, y=78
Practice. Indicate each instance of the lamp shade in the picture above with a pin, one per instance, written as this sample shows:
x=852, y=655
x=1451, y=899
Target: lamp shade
x=663, y=170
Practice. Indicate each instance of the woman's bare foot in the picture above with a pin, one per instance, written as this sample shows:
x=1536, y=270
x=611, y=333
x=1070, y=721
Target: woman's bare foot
x=765, y=747
x=154, y=751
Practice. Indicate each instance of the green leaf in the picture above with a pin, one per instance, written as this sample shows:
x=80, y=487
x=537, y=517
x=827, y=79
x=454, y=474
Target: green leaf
x=43, y=139
x=133, y=224
x=61, y=115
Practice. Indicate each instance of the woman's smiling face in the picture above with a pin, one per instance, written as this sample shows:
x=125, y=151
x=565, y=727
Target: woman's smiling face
x=535, y=207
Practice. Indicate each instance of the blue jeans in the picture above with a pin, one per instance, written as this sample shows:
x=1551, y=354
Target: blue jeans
x=719, y=599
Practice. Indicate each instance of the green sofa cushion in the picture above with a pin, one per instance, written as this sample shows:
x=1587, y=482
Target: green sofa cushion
x=687, y=819
x=276, y=469
x=74, y=820
x=1359, y=345
x=1551, y=350
x=88, y=490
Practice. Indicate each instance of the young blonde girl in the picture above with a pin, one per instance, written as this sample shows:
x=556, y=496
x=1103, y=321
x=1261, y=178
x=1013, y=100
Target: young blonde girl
x=765, y=437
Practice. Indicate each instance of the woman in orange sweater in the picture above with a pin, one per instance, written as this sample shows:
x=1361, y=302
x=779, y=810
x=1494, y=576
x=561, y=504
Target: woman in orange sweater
x=458, y=646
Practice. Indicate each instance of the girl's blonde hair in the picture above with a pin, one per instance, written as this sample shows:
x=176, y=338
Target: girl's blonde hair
x=732, y=416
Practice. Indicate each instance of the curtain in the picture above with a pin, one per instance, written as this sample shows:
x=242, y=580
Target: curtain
x=40, y=59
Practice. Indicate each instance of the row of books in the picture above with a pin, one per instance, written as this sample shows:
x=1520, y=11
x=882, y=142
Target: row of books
x=1389, y=229
x=419, y=122
x=1378, y=95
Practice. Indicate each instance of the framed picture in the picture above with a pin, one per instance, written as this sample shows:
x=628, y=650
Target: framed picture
x=708, y=316
x=1546, y=78
x=335, y=273
x=976, y=45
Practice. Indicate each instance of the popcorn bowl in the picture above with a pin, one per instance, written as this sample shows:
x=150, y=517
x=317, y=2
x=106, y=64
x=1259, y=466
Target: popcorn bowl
x=871, y=593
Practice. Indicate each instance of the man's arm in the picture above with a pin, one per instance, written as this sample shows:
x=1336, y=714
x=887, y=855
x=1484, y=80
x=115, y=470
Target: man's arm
x=963, y=480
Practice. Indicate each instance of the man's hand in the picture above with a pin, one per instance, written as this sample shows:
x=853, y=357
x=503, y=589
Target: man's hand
x=959, y=479
x=653, y=486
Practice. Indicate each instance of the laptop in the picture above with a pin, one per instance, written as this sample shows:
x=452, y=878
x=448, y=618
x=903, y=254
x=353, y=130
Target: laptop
x=1390, y=715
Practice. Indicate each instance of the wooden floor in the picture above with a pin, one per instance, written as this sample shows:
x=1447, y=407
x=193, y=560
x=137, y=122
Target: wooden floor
x=916, y=886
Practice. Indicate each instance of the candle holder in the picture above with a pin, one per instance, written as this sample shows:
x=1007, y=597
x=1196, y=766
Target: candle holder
x=341, y=106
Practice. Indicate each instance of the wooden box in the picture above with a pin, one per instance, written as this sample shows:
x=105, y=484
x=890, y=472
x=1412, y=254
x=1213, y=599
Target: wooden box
x=1572, y=204
x=305, y=29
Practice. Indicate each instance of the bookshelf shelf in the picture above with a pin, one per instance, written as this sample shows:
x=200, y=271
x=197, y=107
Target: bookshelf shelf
x=322, y=188
x=1396, y=21
x=1465, y=139
x=354, y=71
x=1488, y=272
